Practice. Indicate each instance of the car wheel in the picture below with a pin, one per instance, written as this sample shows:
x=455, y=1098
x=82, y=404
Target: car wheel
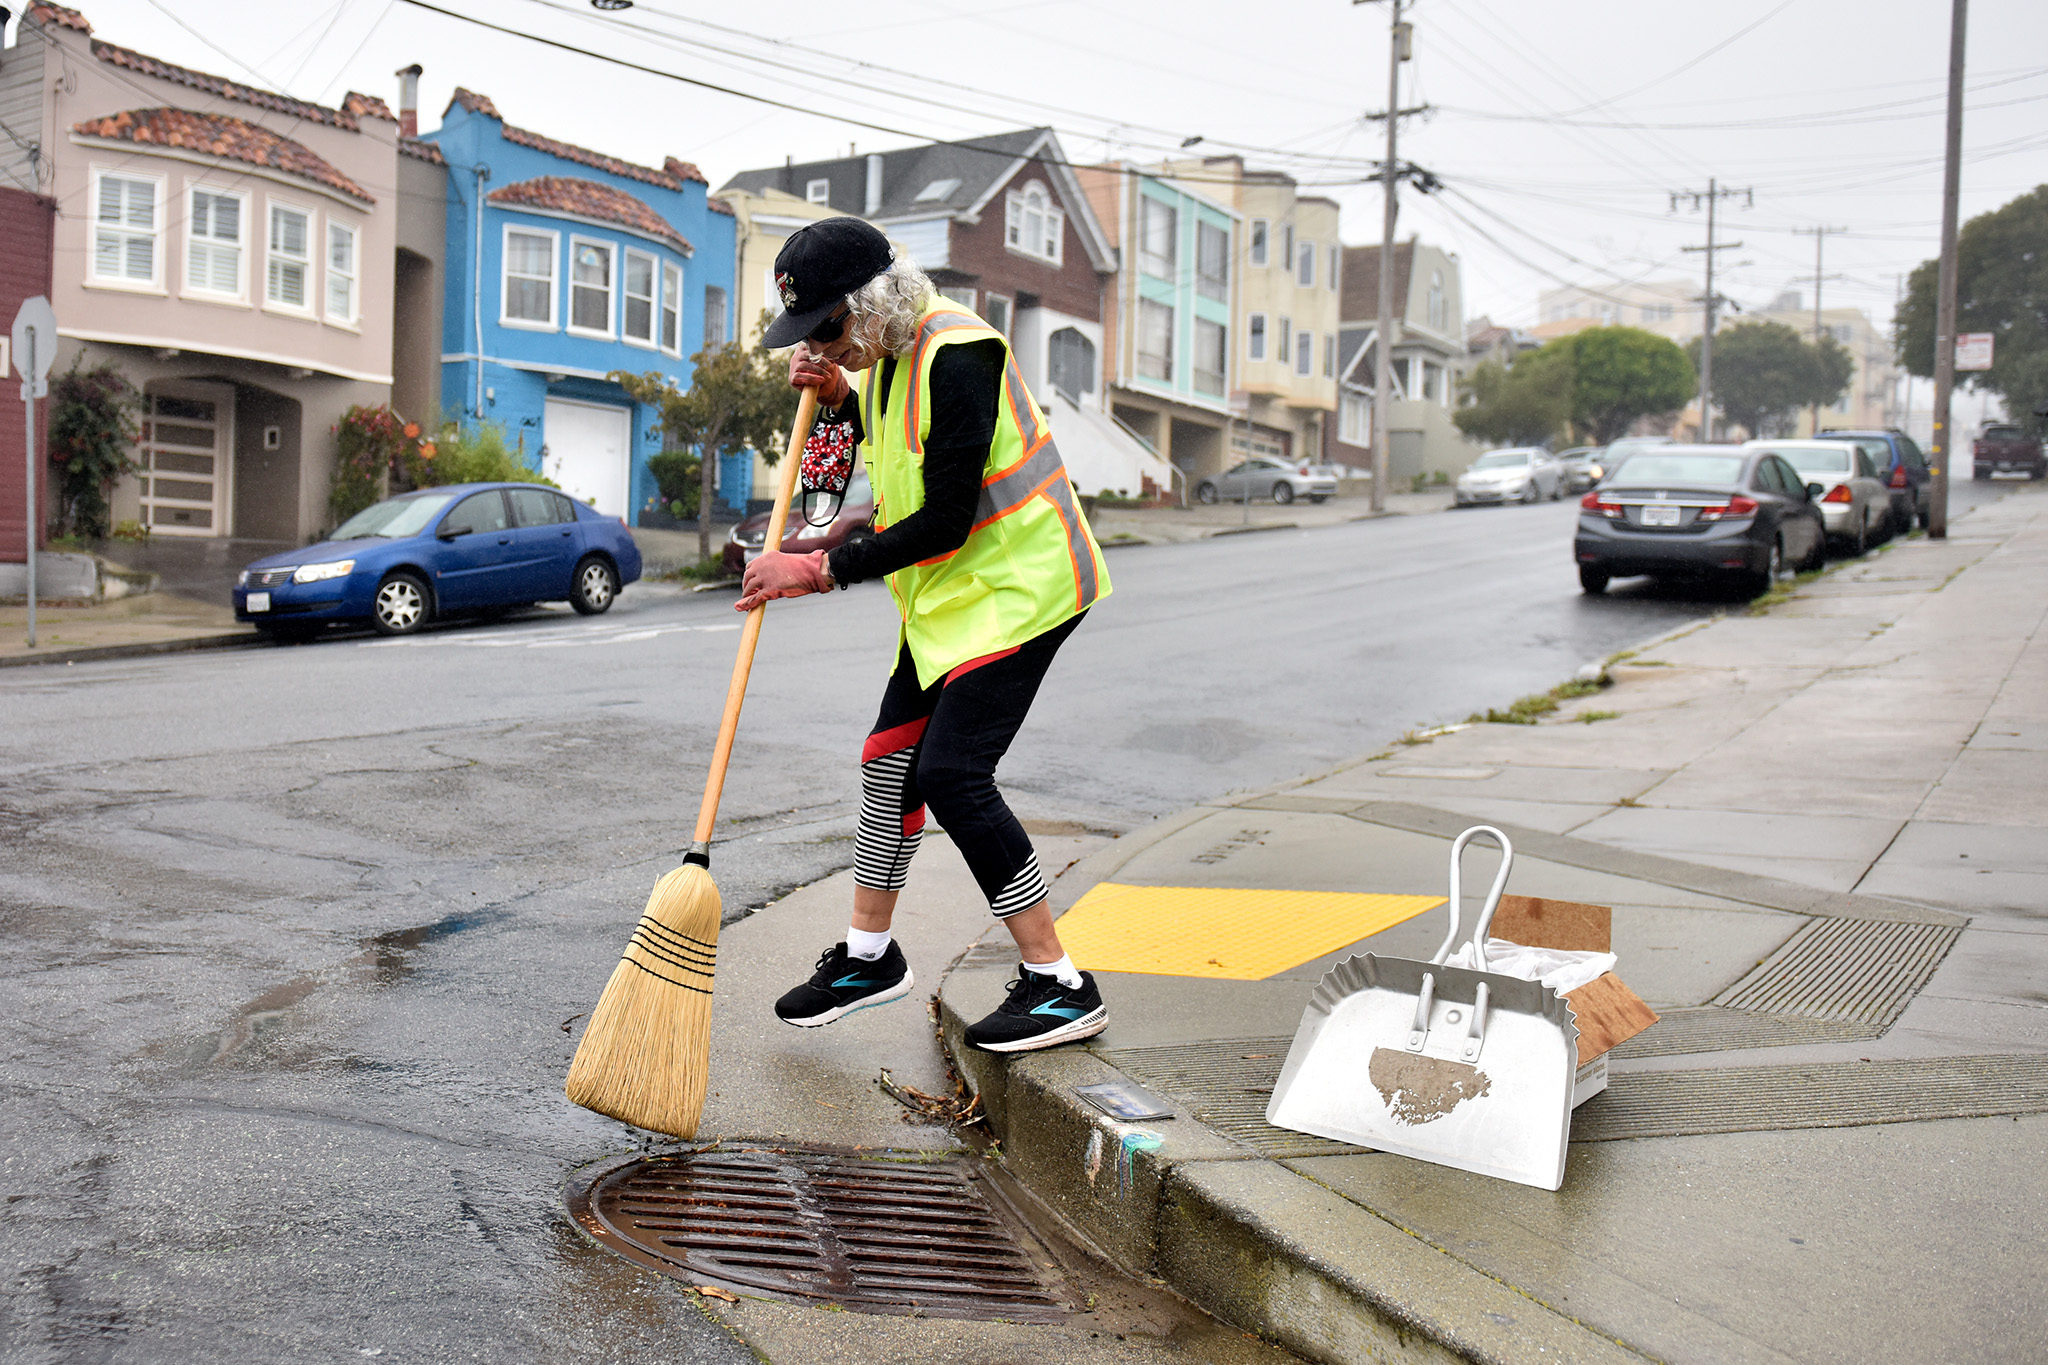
x=594, y=587
x=1759, y=584
x=1860, y=542
x=1557, y=490
x=1205, y=493
x=402, y=605
x=1283, y=493
x=1817, y=558
x=1592, y=581
x=1921, y=513
x=1529, y=492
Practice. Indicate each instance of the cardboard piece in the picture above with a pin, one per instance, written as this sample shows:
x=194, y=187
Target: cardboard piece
x=1608, y=1013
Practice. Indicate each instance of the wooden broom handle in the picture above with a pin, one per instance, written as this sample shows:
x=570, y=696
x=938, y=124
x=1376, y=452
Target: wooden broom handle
x=750, y=633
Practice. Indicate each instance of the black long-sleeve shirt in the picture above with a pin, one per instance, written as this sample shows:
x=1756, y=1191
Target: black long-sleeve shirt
x=966, y=383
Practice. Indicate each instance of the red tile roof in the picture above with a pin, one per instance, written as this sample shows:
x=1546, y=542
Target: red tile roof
x=424, y=151
x=588, y=199
x=717, y=205
x=684, y=170
x=475, y=103
x=57, y=14
x=359, y=104
x=221, y=136
x=224, y=88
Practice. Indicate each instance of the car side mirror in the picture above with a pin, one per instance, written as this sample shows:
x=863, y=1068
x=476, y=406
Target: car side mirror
x=450, y=532
x=1813, y=491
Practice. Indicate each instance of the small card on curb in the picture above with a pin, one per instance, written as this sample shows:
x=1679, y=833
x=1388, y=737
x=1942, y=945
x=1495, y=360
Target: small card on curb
x=1125, y=1100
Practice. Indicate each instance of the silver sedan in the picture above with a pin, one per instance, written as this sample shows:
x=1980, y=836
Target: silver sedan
x=1854, y=502
x=1516, y=474
x=1265, y=477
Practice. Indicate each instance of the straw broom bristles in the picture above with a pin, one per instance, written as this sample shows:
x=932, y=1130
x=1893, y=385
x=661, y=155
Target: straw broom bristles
x=645, y=1057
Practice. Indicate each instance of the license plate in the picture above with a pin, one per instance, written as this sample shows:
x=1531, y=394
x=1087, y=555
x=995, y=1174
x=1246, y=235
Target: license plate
x=1660, y=516
x=259, y=601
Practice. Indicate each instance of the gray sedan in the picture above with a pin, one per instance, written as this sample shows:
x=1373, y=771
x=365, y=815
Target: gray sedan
x=1265, y=477
x=1516, y=474
x=1853, y=501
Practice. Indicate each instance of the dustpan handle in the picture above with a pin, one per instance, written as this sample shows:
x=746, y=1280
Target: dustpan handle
x=1500, y=881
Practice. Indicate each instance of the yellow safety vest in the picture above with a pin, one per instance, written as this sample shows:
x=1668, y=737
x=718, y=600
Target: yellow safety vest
x=1030, y=562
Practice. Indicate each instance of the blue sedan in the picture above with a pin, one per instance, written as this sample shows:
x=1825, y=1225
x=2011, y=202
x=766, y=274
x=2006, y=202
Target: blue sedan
x=439, y=551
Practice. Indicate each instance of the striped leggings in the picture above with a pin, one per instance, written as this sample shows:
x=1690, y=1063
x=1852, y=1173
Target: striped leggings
x=938, y=746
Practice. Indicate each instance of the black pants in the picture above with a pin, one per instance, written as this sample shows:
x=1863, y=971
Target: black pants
x=938, y=746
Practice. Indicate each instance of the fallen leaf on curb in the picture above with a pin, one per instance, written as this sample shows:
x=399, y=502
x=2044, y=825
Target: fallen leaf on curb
x=712, y=1291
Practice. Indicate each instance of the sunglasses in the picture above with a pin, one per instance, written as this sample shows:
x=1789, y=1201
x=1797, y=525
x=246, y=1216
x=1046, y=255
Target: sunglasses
x=830, y=330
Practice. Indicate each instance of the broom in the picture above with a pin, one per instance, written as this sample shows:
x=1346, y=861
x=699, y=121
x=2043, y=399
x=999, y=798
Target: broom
x=646, y=1054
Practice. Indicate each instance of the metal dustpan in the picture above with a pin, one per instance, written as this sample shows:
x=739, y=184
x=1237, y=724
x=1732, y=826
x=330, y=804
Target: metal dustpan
x=1452, y=1065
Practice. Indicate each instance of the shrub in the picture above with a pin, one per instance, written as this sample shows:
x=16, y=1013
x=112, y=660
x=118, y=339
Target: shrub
x=677, y=473
x=370, y=443
x=92, y=430
x=469, y=455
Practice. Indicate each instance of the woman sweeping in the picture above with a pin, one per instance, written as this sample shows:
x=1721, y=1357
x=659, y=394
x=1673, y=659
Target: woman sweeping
x=991, y=566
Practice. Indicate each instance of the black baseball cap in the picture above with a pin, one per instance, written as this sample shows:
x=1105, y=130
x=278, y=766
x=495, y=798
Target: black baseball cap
x=819, y=266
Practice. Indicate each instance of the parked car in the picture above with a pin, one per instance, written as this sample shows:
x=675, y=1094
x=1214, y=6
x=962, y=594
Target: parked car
x=1263, y=476
x=1698, y=511
x=1581, y=467
x=1855, y=505
x=2005, y=448
x=799, y=535
x=1514, y=474
x=440, y=552
x=1900, y=464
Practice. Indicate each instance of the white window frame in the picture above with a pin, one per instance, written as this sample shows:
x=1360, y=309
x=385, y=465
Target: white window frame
x=311, y=261
x=962, y=294
x=1019, y=206
x=1305, y=264
x=156, y=234
x=652, y=298
x=818, y=191
x=554, y=279
x=240, y=293
x=1195, y=372
x=1172, y=326
x=1165, y=267
x=1222, y=284
x=670, y=308
x=1009, y=312
x=353, y=275
x=1261, y=233
x=1255, y=336
x=725, y=318
x=1305, y=353
x=1354, y=419
x=611, y=288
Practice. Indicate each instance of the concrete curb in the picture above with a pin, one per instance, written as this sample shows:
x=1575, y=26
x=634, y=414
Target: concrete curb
x=131, y=651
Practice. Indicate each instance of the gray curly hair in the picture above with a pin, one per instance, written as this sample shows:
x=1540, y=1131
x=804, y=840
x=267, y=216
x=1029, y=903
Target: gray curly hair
x=882, y=315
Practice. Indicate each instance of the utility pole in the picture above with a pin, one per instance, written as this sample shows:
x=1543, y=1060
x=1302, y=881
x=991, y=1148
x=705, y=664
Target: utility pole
x=1714, y=193
x=1941, y=450
x=1819, y=235
x=1398, y=50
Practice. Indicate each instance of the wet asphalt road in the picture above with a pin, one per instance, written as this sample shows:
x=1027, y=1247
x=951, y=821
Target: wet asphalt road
x=292, y=933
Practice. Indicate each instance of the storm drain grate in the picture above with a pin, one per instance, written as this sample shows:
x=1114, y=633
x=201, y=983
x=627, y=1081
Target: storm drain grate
x=1708, y=1029
x=1226, y=1084
x=1830, y=1095
x=876, y=1236
x=1860, y=971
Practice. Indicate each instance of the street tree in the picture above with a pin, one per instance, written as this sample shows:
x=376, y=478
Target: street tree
x=1764, y=372
x=2001, y=288
x=1621, y=374
x=1526, y=404
x=739, y=399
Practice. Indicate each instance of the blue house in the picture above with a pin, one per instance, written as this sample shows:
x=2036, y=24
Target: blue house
x=563, y=265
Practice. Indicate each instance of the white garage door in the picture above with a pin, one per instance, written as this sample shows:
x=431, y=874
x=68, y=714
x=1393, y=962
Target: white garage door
x=587, y=453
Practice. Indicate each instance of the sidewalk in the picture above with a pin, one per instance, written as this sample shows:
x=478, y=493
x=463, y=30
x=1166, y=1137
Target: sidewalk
x=1821, y=828
x=1172, y=525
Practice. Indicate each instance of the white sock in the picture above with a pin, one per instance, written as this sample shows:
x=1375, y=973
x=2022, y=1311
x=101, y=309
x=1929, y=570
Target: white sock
x=1069, y=975
x=866, y=946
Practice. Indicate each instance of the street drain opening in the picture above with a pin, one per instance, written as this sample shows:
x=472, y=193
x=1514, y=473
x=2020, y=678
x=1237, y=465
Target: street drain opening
x=876, y=1236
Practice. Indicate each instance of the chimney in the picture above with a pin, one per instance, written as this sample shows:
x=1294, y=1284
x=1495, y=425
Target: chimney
x=874, y=200
x=409, y=100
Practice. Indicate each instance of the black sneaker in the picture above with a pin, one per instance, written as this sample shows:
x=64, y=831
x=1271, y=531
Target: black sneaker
x=1041, y=1013
x=844, y=983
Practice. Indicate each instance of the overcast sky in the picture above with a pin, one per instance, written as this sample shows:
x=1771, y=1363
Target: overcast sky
x=1560, y=130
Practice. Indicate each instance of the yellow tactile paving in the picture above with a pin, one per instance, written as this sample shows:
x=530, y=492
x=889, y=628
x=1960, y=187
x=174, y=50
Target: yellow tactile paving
x=1228, y=933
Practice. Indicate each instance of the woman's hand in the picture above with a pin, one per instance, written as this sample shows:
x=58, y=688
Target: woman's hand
x=776, y=574
x=809, y=370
